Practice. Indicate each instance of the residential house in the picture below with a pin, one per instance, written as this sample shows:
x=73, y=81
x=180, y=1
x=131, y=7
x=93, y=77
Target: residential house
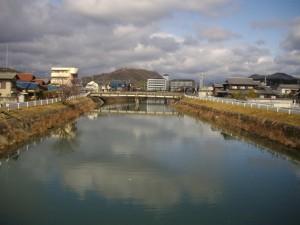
x=8, y=90
x=263, y=91
x=92, y=86
x=26, y=77
x=7, y=85
x=286, y=89
x=42, y=82
x=45, y=84
x=119, y=85
x=234, y=85
x=297, y=96
x=218, y=90
x=28, y=85
x=64, y=76
x=29, y=88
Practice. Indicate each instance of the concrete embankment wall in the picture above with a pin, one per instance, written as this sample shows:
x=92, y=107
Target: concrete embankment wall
x=17, y=126
x=283, y=133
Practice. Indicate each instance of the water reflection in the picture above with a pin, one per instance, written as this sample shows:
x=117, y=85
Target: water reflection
x=154, y=163
x=128, y=164
x=149, y=109
x=66, y=139
x=154, y=189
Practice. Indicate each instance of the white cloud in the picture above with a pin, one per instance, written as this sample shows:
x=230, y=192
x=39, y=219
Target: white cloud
x=290, y=55
x=292, y=41
x=100, y=36
x=141, y=11
x=217, y=34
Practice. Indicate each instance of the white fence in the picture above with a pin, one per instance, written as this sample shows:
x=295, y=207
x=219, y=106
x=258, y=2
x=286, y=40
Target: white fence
x=290, y=110
x=35, y=103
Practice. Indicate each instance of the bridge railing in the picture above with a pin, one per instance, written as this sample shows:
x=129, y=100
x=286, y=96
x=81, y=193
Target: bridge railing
x=289, y=110
x=138, y=94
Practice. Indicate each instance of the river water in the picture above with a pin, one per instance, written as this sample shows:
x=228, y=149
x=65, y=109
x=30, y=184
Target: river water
x=137, y=168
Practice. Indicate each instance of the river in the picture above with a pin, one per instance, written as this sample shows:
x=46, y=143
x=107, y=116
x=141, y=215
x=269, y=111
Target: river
x=127, y=167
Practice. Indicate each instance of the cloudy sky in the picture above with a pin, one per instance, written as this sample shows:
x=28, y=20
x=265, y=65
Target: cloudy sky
x=220, y=38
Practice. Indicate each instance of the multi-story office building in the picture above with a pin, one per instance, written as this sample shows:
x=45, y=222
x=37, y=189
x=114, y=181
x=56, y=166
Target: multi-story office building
x=63, y=76
x=158, y=84
x=181, y=84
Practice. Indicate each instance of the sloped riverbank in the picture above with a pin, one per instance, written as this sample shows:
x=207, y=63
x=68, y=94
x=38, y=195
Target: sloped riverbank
x=17, y=126
x=278, y=127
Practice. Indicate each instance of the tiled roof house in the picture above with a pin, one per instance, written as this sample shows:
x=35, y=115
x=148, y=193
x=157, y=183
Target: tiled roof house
x=26, y=77
x=234, y=85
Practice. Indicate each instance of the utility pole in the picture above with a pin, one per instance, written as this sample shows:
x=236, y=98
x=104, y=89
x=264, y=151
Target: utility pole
x=265, y=80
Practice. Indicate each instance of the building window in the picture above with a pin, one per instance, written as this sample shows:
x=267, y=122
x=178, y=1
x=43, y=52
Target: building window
x=2, y=84
x=250, y=87
x=234, y=87
x=242, y=87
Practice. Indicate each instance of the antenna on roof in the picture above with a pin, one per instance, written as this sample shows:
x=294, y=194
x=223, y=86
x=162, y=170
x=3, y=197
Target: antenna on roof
x=6, y=63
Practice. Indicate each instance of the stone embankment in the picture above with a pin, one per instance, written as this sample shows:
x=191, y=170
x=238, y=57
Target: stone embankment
x=17, y=126
x=278, y=127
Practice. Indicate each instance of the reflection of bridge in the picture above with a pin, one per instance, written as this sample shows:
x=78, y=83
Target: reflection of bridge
x=121, y=111
x=162, y=95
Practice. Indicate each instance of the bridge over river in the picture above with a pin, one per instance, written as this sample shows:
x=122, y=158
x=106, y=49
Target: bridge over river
x=141, y=112
x=161, y=95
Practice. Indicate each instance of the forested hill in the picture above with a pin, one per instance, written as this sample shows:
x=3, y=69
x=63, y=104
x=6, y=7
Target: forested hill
x=276, y=79
x=137, y=77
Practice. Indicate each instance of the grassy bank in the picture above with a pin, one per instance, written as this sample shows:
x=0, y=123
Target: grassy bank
x=17, y=126
x=279, y=127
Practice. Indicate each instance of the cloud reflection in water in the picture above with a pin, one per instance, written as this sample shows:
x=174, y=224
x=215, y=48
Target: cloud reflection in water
x=144, y=160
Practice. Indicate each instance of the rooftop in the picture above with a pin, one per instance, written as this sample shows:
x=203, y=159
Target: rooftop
x=289, y=86
x=240, y=80
x=7, y=75
x=26, y=76
x=27, y=85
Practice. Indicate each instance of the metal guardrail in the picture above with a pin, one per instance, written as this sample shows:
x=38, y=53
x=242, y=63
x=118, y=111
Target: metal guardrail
x=35, y=103
x=290, y=110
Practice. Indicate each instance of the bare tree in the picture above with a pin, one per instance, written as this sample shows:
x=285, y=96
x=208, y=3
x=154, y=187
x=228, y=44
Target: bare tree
x=66, y=91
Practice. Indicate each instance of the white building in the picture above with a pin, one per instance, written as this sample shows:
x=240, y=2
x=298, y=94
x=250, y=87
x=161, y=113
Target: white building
x=63, y=75
x=158, y=84
x=92, y=86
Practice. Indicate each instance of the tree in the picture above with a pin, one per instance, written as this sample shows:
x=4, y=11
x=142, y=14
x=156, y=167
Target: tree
x=66, y=91
x=252, y=94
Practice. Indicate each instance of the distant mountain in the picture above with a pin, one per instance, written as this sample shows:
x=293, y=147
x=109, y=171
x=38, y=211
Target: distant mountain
x=276, y=79
x=137, y=77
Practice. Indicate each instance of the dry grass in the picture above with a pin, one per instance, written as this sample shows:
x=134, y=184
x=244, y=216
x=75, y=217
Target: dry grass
x=17, y=126
x=260, y=113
